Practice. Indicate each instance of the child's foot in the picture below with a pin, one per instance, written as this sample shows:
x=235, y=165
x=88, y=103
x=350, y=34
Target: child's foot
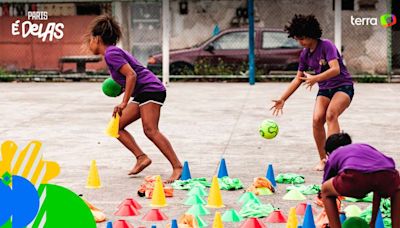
x=321, y=165
x=142, y=162
x=176, y=174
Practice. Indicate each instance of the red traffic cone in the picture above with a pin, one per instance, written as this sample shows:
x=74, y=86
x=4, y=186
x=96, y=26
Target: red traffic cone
x=131, y=202
x=301, y=209
x=122, y=224
x=253, y=223
x=127, y=210
x=155, y=215
x=276, y=217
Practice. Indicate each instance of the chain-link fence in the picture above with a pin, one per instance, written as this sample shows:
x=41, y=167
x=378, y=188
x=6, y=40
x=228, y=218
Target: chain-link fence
x=210, y=36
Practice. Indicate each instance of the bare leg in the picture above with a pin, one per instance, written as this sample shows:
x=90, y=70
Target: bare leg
x=340, y=101
x=150, y=114
x=130, y=114
x=329, y=196
x=395, y=204
x=321, y=105
x=376, y=203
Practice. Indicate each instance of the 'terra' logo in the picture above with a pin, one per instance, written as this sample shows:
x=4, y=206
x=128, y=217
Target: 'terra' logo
x=386, y=20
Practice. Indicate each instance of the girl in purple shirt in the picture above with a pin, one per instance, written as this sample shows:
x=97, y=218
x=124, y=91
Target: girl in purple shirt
x=354, y=170
x=138, y=82
x=334, y=81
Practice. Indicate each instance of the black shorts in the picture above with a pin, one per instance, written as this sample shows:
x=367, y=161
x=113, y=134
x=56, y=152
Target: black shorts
x=348, y=89
x=150, y=97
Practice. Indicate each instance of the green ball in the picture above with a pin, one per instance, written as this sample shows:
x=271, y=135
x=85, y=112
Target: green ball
x=111, y=88
x=269, y=129
x=355, y=222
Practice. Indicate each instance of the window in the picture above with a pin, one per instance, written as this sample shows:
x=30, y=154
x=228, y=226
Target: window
x=277, y=40
x=232, y=41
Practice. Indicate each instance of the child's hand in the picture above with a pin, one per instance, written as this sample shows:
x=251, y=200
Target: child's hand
x=309, y=80
x=278, y=106
x=118, y=109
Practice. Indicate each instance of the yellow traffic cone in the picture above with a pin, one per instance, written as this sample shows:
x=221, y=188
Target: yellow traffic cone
x=93, y=180
x=113, y=127
x=292, y=219
x=158, y=197
x=215, y=198
x=218, y=220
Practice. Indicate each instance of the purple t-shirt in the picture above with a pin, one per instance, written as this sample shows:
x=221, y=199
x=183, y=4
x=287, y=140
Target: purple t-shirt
x=146, y=81
x=360, y=157
x=318, y=62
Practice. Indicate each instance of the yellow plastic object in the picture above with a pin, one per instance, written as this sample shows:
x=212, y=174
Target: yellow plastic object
x=218, y=220
x=215, y=198
x=292, y=219
x=113, y=127
x=93, y=180
x=158, y=197
x=27, y=163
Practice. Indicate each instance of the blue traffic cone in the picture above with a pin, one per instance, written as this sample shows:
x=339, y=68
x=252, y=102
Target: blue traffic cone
x=270, y=175
x=174, y=223
x=153, y=226
x=342, y=217
x=379, y=220
x=222, y=172
x=308, y=221
x=186, y=172
x=109, y=225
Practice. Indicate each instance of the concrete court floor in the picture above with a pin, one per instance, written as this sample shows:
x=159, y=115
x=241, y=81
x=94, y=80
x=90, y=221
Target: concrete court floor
x=204, y=122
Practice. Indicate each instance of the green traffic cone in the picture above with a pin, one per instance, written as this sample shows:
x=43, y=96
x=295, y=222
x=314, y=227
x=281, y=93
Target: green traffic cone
x=231, y=216
x=294, y=194
x=195, y=199
x=198, y=209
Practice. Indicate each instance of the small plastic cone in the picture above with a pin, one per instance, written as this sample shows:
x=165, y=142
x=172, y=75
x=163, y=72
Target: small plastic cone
x=215, y=198
x=276, y=217
x=342, y=217
x=155, y=215
x=218, y=220
x=301, y=209
x=131, y=202
x=308, y=221
x=222, y=171
x=264, y=191
x=246, y=196
x=379, y=220
x=253, y=223
x=195, y=199
x=122, y=224
x=186, y=172
x=231, y=216
x=174, y=223
x=200, y=221
x=127, y=210
x=158, y=197
x=109, y=225
x=113, y=127
x=292, y=220
x=197, y=190
x=270, y=175
x=198, y=209
x=352, y=211
x=93, y=180
x=294, y=194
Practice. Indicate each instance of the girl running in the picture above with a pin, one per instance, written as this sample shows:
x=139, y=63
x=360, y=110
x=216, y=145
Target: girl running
x=138, y=82
x=335, y=84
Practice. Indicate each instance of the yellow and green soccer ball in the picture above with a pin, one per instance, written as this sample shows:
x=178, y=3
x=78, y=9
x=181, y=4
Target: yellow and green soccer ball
x=269, y=129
